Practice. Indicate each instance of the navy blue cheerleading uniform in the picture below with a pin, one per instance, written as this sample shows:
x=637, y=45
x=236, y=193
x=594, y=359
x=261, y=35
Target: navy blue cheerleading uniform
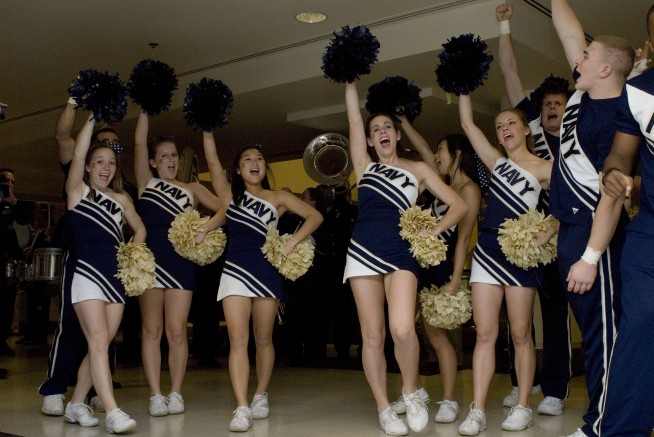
x=246, y=271
x=159, y=204
x=97, y=222
x=376, y=247
x=629, y=406
x=587, y=133
x=556, y=371
x=513, y=192
x=441, y=274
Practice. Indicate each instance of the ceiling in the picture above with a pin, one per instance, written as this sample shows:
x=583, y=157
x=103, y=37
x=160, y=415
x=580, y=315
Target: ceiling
x=270, y=61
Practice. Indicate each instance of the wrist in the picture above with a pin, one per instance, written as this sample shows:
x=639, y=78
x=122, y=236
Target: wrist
x=72, y=101
x=505, y=27
x=606, y=173
x=591, y=256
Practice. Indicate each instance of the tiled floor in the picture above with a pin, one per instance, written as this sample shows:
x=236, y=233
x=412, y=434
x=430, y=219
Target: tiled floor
x=304, y=402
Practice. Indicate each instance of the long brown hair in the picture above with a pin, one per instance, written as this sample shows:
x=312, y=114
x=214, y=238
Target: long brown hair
x=116, y=184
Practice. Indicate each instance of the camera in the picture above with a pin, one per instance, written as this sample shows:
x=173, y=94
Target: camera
x=3, y=111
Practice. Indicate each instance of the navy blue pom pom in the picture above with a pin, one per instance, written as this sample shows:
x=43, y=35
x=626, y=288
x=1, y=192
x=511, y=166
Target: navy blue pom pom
x=151, y=86
x=103, y=94
x=207, y=104
x=395, y=95
x=350, y=54
x=464, y=64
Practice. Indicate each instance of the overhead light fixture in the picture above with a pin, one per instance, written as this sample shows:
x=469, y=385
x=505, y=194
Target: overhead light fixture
x=311, y=17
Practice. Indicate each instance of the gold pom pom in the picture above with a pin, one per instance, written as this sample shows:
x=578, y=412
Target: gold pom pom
x=293, y=265
x=182, y=235
x=444, y=310
x=415, y=225
x=517, y=238
x=135, y=268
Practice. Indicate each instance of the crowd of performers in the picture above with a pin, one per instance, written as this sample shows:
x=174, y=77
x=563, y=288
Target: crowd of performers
x=569, y=152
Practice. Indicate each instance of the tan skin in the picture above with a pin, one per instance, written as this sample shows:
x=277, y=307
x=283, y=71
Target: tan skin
x=446, y=164
x=398, y=288
x=511, y=133
x=164, y=308
x=99, y=320
x=239, y=309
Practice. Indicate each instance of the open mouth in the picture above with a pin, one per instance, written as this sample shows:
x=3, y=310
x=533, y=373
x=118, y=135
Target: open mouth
x=384, y=140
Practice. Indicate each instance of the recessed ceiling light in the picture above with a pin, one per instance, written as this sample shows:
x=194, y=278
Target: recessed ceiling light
x=311, y=17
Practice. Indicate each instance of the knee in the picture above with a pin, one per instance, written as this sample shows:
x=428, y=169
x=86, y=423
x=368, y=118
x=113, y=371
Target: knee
x=151, y=333
x=486, y=336
x=521, y=336
x=262, y=337
x=238, y=340
x=176, y=335
x=403, y=335
x=374, y=339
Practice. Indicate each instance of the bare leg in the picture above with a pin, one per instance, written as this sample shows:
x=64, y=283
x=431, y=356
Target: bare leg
x=237, y=311
x=177, y=304
x=264, y=314
x=446, y=359
x=152, y=323
x=520, y=309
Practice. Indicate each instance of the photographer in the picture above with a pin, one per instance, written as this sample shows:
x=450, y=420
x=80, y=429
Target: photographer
x=11, y=210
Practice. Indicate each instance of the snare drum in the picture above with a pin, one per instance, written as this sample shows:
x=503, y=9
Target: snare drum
x=47, y=264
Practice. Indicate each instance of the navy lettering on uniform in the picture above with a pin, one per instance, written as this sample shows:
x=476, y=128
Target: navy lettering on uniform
x=650, y=125
x=111, y=207
x=573, y=151
x=569, y=123
x=258, y=208
x=513, y=176
x=174, y=192
x=391, y=174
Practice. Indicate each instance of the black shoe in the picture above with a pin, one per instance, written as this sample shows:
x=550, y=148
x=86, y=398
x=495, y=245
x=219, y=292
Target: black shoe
x=4, y=373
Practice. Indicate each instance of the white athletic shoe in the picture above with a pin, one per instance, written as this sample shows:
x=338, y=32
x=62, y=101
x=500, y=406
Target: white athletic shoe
x=519, y=418
x=158, y=405
x=53, y=405
x=96, y=404
x=175, y=403
x=118, y=421
x=80, y=413
x=578, y=433
x=551, y=406
x=242, y=420
x=400, y=408
x=417, y=414
x=259, y=406
x=511, y=400
x=391, y=424
x=447, y=412
x=474, y=423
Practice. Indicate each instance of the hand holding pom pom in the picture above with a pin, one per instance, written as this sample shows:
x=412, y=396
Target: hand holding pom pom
x=464, y=64
x=292, y=265
x=103, y=94
x=183, y=233
x=395, y=95
x=207, y=104
x=151, y=86
x=350, y=54
x=415, y=225
x=135, y=268
x=518, y=239
x=446, y=310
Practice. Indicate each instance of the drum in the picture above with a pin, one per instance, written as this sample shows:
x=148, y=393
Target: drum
x=47, y=264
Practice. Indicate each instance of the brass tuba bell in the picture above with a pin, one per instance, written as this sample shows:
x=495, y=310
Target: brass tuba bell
x=327, y=160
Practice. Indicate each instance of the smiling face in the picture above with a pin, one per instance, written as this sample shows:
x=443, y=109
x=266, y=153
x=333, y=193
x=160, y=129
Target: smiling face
x=101, y=168
x=511, y=130
x=166, y=160
x=383, y=135
x=444, y=158
x=252, y=166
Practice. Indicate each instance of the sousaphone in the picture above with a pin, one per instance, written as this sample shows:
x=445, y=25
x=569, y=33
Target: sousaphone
x=326, y=159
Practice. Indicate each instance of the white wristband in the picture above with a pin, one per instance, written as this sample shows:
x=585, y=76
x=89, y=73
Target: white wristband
x=505, y=27
x=72, y=101
x=591, y=256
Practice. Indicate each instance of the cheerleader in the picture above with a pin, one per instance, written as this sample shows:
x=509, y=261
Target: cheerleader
x=250, y=287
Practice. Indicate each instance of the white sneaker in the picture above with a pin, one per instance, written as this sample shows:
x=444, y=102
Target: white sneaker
x=474, y=423
x=158, y=405
x=519, y=418
x=80, y=413
x=96, y=404
x=259, y=406
x=399, y=407
x=551, y=406
x=242, y=420
x=578, y=433
x=175, y=403
x=447, y=412
x=391, y=424
x=118, y=421
x=511, y=400
x=417, y=414
x=53, y=405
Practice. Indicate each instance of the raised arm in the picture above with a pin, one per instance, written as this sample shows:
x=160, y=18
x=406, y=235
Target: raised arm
x=571, y=33
x=507, y=60
x=141, y=158
x=219, y=181
x=64, y=133
x=75, y=182
x=485, y=150
x=419, y=143
x=358, y=142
